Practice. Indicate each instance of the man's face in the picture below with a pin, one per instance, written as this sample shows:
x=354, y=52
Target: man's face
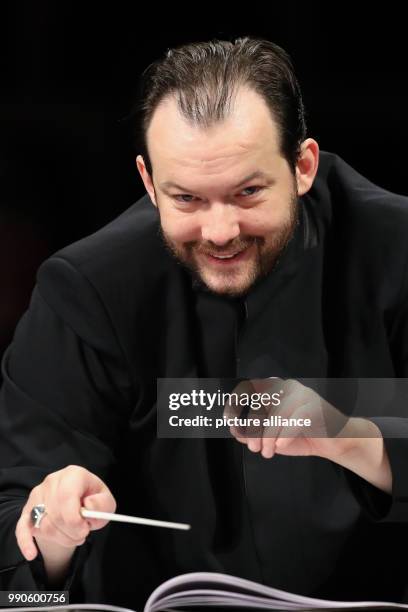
x=226, y=196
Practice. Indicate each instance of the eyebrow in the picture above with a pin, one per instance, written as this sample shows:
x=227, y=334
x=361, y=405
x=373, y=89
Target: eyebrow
x=250, y=177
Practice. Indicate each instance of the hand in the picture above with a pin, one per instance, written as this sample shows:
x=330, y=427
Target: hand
x=328, y=434
x=63, y=493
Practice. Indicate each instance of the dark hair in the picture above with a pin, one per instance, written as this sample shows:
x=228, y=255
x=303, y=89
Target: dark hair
x=204, y=77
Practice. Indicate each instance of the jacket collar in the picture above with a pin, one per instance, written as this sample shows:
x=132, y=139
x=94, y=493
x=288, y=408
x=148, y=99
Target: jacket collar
x=305, y=238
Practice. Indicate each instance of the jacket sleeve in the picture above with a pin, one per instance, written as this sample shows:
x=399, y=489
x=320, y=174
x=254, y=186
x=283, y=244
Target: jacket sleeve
x=380, y=506
x=65, y=400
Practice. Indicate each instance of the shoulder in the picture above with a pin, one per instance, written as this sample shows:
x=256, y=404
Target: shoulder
x=120, y=246
x=119, y=269
x=350, y=205
x=129, y=247
x=364, y=228
x=350, y=193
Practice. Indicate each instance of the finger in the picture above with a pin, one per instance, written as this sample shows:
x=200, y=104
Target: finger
x=272, y=432
x=24, y=536
x=269, y=441
x=254, y=430
x=290, y=433
x=270, y=385
x=104, y=502
x=50, y=532
x=313, y=412
x=251, y=429
x=79, y=479
x=254, y=444
x=61, y=494
x=268, y=448
x=293, y=397
x=282, y=444
x=244, y=387
x=234, y=407
x=75, y=486
x=252, y=434
x=237, y=433
x=71, y=521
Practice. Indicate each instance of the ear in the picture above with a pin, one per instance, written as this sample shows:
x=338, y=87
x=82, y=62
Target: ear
x=146, y=178
x=306, y=166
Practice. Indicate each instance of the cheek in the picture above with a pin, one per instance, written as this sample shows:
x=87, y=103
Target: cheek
x=181, y=228
x=258, y=224
x=265, y=219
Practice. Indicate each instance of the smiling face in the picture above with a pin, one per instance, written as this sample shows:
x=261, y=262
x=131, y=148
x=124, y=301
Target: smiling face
x=226, y=196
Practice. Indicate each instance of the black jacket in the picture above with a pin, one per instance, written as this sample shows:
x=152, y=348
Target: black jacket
x=113, y=312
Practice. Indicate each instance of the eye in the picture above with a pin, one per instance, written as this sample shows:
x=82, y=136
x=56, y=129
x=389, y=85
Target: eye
x=184, y=198
x=253, y=189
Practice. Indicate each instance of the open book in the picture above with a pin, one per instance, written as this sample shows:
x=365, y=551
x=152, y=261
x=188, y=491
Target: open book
x=221, y=591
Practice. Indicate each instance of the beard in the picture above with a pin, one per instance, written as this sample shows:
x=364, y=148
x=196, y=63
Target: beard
x=236, y=281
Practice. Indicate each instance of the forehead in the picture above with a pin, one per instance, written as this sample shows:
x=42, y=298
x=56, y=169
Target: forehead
x=247, y=136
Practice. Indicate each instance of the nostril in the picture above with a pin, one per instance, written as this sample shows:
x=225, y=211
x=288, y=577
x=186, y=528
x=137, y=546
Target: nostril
x=220, y=237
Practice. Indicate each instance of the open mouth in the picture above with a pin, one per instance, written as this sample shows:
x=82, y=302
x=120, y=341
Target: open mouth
x=226, y=258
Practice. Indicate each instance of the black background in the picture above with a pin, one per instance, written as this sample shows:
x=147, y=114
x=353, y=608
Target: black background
x=69, y=72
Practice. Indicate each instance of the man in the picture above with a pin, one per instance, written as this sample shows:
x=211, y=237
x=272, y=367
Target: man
x=288, y=268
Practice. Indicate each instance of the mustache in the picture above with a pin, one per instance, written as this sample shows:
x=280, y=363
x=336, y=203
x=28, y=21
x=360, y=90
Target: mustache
x=236, y=245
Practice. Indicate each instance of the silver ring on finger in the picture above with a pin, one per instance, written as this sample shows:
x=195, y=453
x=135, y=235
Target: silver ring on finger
x=37, y=514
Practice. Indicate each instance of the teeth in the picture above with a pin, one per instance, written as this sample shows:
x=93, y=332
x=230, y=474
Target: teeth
x=224, y=256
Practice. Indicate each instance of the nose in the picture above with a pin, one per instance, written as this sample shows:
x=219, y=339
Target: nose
x=220, y=224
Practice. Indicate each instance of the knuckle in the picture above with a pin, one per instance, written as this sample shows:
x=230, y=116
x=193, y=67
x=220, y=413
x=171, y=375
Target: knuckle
x=49, y=479
x=67, y=469
x=26, y=508
x=35, y=490
x=74, y=469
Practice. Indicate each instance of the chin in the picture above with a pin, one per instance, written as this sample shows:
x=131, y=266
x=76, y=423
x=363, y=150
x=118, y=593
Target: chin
x=227, y=287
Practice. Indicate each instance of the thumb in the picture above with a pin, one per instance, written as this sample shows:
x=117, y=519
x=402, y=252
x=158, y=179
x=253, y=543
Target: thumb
x=103, y=502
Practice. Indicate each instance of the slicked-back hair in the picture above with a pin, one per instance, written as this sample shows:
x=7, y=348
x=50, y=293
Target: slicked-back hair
x=205, y=77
